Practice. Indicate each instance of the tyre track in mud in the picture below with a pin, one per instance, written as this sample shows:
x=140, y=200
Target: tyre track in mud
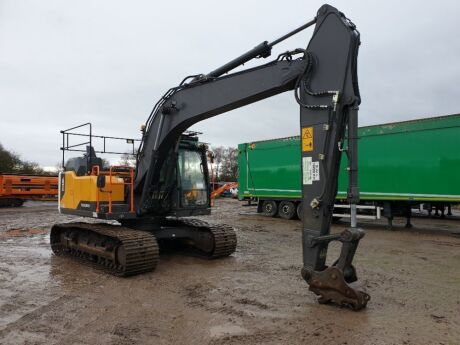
x=256, y=296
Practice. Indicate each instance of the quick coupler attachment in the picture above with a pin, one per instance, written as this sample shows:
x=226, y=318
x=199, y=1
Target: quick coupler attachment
x=332, y=283
x=331, y=287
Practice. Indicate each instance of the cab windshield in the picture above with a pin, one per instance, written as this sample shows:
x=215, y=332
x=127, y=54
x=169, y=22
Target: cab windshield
x=193, y=185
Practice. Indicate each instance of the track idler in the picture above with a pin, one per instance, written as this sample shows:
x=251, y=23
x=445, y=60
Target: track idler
x=332, y=283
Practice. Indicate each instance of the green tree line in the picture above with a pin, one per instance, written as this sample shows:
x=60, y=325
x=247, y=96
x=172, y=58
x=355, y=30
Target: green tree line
x=11, y=162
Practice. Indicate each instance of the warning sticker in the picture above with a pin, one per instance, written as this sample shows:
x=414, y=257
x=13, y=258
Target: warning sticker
x=307, y=170
x=315, y=171
x=307, y=139
x=310, y=170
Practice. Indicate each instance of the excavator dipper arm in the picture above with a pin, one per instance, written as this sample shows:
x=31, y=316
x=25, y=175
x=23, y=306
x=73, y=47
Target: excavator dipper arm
x=324, y=79
x=329, y=97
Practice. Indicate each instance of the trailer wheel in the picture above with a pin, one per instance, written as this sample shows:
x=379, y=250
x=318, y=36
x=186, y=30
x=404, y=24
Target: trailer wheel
x=286, y=210
x=17, y=202
x=299, y=211
x=269, y=208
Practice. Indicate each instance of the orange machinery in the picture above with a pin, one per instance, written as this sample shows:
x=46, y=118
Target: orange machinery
x=215, y=193
x=15, y=189
x=220, y=190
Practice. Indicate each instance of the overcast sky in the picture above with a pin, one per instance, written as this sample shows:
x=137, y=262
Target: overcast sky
x=63, y=63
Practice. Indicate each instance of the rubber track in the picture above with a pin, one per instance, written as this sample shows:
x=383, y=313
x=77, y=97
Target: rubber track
x=225, y=240
x=141, y=248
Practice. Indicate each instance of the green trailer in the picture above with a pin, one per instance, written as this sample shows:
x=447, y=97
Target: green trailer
x=401, y=165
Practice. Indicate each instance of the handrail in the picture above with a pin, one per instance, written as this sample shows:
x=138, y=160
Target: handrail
x=128, y=179
x=67, y=134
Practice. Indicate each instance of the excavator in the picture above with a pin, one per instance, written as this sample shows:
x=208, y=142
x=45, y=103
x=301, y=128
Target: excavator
x=150, y=205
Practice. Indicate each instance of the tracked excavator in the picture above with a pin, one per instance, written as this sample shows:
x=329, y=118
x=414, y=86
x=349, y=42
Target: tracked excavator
x=151, y=203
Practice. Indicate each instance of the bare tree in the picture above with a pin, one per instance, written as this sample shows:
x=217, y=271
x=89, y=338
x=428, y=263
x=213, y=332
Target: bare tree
x=219, y=152
x=128, y=159
x=226, y=163
x=229, y=167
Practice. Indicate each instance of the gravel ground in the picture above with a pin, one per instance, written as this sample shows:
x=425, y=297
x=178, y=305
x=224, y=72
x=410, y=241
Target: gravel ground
x=255, y=296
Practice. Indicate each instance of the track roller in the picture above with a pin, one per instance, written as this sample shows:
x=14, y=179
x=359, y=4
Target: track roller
x=116, y=249
x=206, y=240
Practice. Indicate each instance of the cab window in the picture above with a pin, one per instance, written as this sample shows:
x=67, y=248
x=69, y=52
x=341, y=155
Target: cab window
x=193, y=184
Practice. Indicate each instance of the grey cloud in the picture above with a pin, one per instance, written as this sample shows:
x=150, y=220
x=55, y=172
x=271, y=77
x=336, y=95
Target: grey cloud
x=65, y=63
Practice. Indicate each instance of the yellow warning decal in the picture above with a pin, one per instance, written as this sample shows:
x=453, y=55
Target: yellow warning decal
x=307, y=139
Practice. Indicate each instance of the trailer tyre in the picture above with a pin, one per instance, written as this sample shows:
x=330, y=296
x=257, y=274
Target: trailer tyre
x=17, y=202
x=269, y=208
x=286, y=210
x=299, y=211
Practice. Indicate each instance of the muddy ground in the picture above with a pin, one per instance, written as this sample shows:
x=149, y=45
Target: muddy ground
x=254, y=297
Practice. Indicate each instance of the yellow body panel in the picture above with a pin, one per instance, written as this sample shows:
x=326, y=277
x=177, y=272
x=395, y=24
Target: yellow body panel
x=78, y=189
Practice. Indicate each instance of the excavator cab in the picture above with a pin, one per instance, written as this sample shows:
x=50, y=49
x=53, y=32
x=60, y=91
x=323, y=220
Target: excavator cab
x=182, y=186
x=91, y=188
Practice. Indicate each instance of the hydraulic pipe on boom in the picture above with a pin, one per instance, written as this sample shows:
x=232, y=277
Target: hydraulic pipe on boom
x=263, y=50
x=352, y=153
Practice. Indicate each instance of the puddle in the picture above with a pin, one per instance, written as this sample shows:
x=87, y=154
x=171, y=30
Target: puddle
x=227, y=329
